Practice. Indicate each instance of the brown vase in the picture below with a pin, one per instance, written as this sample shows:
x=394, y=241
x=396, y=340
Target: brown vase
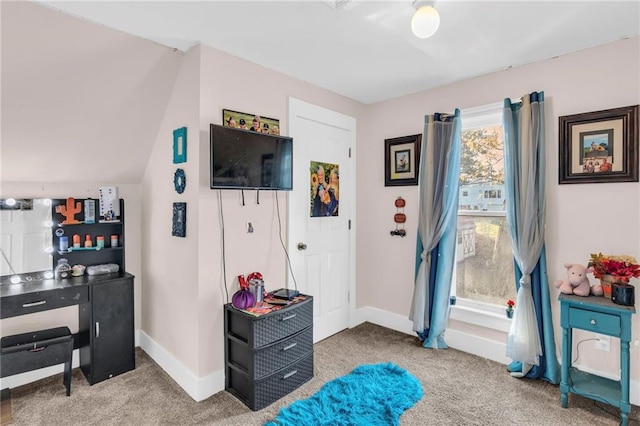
x=606, y=282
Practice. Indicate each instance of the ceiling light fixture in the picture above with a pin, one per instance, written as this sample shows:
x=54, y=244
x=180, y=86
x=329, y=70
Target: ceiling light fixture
x=426, y=19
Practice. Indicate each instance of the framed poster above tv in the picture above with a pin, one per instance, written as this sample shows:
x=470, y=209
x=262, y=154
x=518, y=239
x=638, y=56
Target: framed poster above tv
x=252, y=122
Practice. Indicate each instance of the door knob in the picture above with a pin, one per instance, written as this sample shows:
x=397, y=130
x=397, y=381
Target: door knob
x=302, y=246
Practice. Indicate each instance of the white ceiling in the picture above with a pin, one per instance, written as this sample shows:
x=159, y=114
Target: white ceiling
x=365, y=50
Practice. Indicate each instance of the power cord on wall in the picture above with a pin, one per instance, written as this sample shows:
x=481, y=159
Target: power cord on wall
x=578, y=349
x=224, y=259
x=282, y=242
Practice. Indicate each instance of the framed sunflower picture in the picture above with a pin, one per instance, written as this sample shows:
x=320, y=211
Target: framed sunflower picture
x=325, y=189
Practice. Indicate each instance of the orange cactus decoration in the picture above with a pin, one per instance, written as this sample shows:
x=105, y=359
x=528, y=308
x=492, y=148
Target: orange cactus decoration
x=69, y=211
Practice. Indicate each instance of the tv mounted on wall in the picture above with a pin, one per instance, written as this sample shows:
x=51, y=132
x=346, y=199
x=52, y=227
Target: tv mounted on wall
x=242, y=159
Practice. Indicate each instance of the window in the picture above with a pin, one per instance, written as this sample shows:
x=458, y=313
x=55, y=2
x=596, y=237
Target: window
x=484, y=273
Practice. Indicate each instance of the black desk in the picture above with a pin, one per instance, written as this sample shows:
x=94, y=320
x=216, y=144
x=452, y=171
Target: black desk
x=105, y=317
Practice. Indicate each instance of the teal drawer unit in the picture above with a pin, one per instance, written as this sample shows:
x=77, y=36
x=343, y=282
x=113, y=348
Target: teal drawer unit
x=597, y=322
x=598, y=315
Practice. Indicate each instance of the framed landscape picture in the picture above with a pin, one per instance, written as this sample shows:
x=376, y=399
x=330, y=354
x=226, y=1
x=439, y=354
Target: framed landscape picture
x=600, y=146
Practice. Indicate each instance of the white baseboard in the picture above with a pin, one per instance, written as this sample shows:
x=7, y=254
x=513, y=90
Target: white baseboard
x=465, y=342
x=197, y=388
x=42, y=373
x=475, y=345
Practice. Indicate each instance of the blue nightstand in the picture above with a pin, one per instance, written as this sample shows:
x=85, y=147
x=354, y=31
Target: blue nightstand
x=599, y=315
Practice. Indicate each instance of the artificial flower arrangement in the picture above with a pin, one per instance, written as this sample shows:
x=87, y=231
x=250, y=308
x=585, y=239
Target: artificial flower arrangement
x=510, y=305
x=621, y=267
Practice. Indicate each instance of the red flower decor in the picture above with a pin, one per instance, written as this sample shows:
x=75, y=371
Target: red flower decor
x=623, y=268
x=510, y=304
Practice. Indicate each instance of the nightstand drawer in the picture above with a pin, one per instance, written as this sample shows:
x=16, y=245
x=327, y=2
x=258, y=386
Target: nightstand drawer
x=594, y=321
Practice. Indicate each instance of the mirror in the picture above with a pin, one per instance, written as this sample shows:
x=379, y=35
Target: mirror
x=25, y=235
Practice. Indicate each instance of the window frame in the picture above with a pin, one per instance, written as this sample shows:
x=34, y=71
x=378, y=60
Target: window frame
x=470, y=311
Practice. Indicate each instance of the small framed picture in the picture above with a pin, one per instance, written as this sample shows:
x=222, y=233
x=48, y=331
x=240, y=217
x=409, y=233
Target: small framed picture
x=179, y=228
x=599, y=147
x=402, y=160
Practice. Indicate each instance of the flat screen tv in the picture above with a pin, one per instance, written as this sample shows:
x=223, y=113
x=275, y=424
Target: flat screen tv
x=242, y=159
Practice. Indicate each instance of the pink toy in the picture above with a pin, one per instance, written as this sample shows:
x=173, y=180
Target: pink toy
x=577, y=282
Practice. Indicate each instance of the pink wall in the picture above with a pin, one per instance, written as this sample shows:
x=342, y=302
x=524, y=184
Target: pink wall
x=184, y=291
x=170, y=264
x=75, y=95
x=581, y=219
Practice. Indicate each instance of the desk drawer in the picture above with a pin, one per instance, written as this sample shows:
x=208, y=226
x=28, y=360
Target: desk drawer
x=28, y=303
x=597, y=322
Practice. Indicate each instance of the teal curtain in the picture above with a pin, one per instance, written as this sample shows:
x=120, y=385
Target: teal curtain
x=437, y=226
x=530, y=342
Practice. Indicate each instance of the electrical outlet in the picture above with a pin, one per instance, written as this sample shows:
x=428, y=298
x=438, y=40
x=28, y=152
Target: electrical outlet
x=603, y=343
x=249, y=228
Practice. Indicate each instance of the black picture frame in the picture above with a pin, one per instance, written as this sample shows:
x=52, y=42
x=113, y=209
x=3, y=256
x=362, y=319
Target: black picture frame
x=599, y=146
x=179, y=223
x=402, y=160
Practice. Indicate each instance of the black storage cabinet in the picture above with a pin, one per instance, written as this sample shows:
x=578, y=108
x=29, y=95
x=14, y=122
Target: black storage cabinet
x=107, y=346
x=38, y=349
x=268, y=356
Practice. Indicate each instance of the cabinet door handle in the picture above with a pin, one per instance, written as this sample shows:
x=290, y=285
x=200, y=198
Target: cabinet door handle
x=97, y=330
x=286, y=376
x=289, y=317
x=29, y=305
x=286, y=348
x=593, y=322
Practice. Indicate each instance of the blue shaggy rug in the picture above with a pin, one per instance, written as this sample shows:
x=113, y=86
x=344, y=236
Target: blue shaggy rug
x=370, y=395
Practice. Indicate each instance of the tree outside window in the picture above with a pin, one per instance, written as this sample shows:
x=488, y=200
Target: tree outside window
x=484, y=268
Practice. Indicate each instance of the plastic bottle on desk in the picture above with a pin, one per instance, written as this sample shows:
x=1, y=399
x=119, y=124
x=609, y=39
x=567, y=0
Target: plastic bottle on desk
x=63, y=269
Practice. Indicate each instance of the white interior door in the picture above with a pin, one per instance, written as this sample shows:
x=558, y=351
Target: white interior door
x=322, y=248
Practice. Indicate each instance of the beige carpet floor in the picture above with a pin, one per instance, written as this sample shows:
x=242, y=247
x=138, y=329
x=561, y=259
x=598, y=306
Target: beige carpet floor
x=459, y=389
